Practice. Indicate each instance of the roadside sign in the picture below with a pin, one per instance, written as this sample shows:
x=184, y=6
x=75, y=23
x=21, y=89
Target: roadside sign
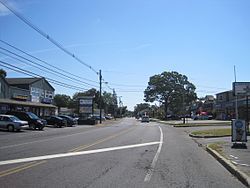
x=86, y=105
x=241, y=88
x=239, y=131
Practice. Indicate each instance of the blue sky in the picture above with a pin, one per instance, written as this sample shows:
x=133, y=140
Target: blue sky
x=131, y=40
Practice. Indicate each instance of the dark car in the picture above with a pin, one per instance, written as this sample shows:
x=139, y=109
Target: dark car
x=70, y=121
x=34, y=121
x=56, y=121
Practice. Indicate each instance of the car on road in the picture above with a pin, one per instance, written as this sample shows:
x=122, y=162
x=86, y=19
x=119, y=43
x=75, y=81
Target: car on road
x=202, y=117
x=12, y=123
x=70, y=121
x=145, y=119
x=56, y=121
x=34, y=121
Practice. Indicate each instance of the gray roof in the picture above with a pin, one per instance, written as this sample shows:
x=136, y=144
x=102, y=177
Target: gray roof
x=14, y=81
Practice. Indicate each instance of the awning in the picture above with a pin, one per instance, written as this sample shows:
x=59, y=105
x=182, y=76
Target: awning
x=26, y=103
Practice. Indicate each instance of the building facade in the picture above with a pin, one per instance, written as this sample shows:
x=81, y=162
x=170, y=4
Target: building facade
x=225, y=106
x=26, y=94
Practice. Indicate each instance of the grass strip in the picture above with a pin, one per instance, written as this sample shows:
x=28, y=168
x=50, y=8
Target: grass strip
x=213, y=132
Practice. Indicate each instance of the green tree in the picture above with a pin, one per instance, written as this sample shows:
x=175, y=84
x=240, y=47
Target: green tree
x=3, y=73
x=61, y=100
x=171, y=89
x=139, y=108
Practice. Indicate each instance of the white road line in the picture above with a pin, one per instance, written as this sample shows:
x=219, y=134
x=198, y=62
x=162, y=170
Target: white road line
x=45, y=157
x=233, y=157
x=150, y=171
x=241, y=164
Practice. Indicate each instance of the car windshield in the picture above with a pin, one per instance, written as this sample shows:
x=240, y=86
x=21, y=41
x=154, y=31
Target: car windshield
x=32, y=116
x=14, y=118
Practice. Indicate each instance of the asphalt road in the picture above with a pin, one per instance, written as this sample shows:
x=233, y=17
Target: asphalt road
x=125, y=154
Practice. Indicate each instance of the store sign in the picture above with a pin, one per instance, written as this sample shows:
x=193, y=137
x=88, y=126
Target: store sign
x=241, y=88
x=86, y=105
x=20, y=97
x=46, y=101
x=239, y=132
x=86, y=101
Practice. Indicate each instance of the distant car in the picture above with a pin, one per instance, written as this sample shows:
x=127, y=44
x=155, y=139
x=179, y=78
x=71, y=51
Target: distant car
x=145, y=119
x=56, y=121
x=202, y=117
x=70, y=121
x=12, y=123
x=108, y=117
x=34, y=121
x=173, y=117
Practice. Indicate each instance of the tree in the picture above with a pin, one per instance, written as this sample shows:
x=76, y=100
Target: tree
x=171, y=89
x=141, y=107
x=61, y=100
x=3, y=73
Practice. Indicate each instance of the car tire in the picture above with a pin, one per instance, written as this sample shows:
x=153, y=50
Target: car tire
x=32, y=126
x=10, y=128
x=40, y=128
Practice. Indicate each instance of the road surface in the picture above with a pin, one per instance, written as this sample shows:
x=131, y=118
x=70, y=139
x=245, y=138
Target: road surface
x=125, y=154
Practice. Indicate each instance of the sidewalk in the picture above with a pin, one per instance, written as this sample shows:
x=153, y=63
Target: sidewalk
x=236, y=160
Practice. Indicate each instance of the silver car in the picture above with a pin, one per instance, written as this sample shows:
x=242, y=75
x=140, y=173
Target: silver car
x=12, y=123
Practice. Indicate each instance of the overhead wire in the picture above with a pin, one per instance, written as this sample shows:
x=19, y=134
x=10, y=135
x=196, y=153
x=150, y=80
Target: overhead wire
x=18, y=49
x=17, y=69
x=46, y=69
x=45, y=35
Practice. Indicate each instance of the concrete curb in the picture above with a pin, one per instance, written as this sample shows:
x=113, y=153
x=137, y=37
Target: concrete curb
x=244, y=178
x=212, y=125
x=199, y=136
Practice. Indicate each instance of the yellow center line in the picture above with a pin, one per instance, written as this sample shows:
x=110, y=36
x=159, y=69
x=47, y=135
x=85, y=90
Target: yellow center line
x=101, y=140
x=20, y=168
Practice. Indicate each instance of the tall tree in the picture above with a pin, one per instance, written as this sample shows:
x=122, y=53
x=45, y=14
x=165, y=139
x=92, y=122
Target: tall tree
x=3, y=73
x=141, y=107
x=171, y=89
x=61, y=100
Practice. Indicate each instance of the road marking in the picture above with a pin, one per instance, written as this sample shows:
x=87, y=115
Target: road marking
x=82, y=147
x=54, y=156
x=241, y=164
x=20, y=168
x=233, y=157
x=151, y=169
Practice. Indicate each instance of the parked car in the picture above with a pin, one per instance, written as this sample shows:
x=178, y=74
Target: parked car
x=145, y=119
x=12, y=123
x=56, y=121
x=70, y=121
x=173, y=117
x=33, y=121
x=202, y=117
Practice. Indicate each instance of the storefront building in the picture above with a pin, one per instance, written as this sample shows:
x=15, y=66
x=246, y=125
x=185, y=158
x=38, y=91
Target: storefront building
x=225, y=106
x=26, y=94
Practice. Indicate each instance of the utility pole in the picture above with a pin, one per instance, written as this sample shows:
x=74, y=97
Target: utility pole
x=114, y=103
x=100, y=97
x=236, y=97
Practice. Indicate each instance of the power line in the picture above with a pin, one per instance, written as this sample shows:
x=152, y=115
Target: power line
x=46, y=69
x=18, y=49
x=20, y=70
x=48, y=37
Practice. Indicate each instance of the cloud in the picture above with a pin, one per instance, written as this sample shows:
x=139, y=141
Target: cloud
x=4, y=11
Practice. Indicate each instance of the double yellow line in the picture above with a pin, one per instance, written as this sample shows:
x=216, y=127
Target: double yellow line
x=20, y=168
x=82, y=147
